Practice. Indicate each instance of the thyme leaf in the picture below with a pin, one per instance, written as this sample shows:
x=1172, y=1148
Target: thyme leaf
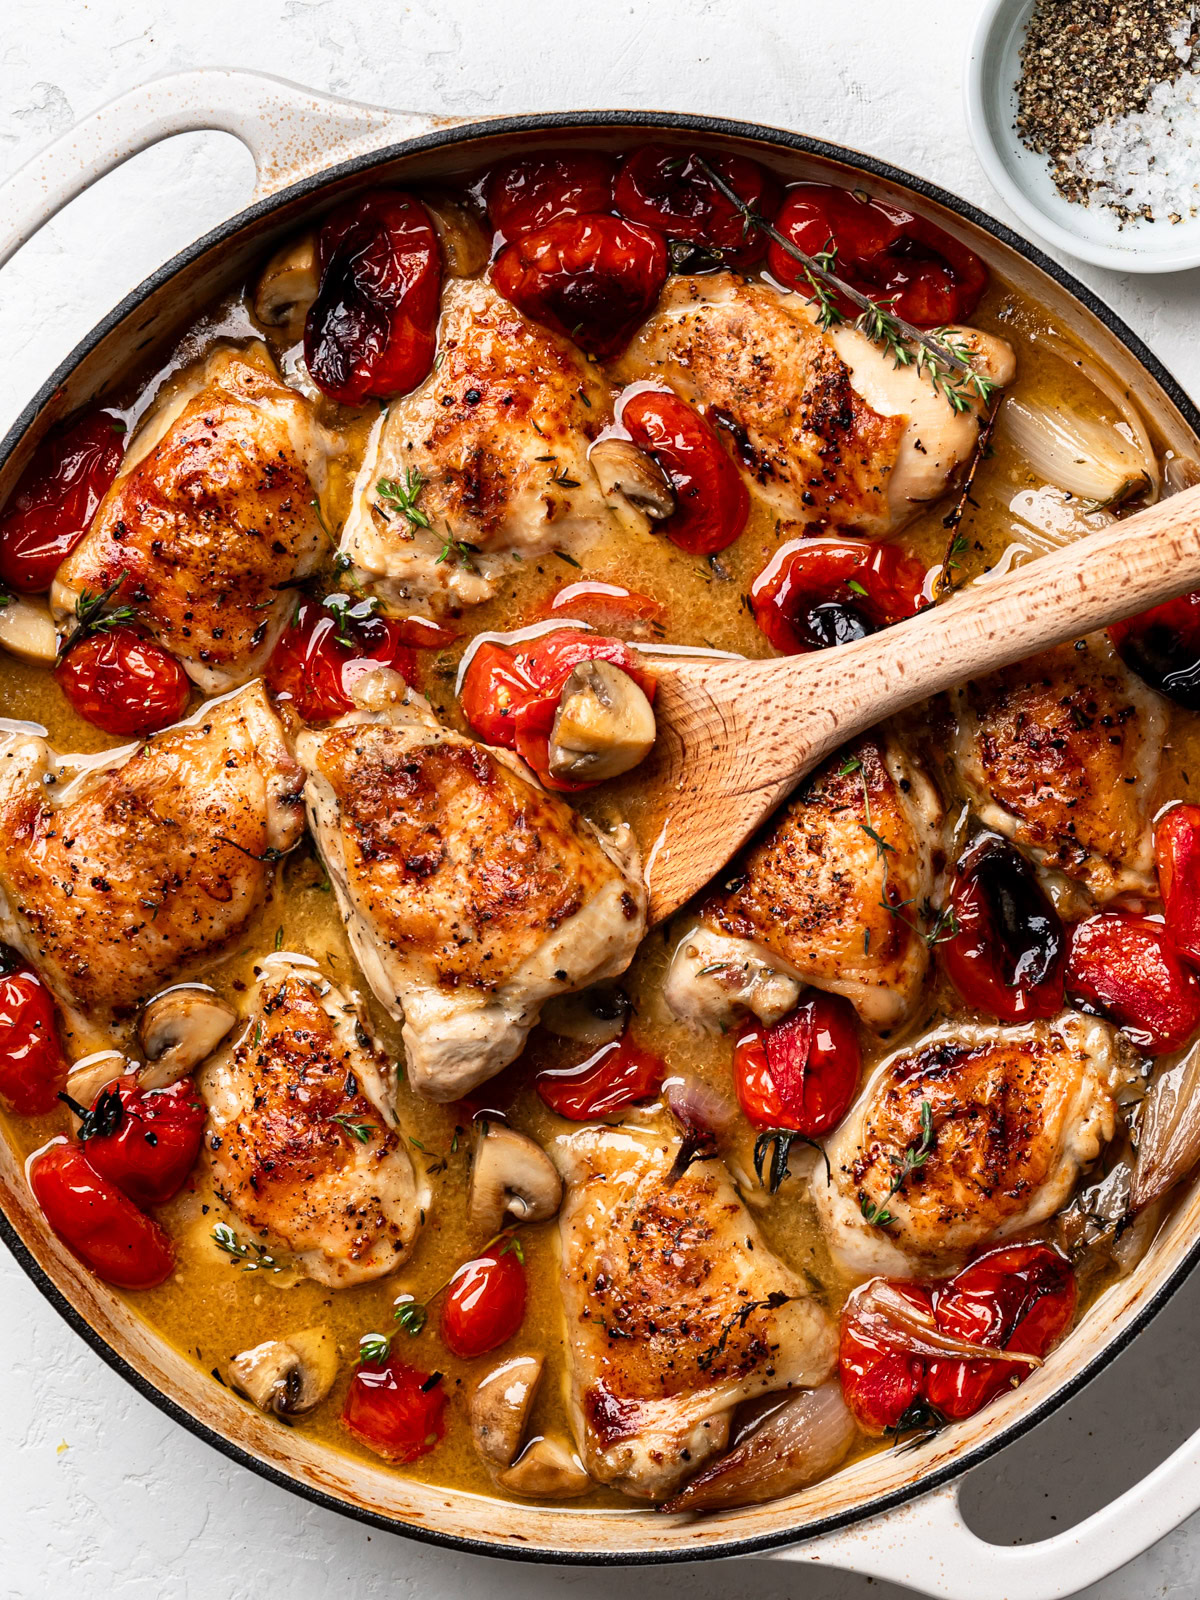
x=916, y=1154
x=93, y=614
x=361, y=1131
x=252, y=1255
x=400, y=498
x=100, y=1121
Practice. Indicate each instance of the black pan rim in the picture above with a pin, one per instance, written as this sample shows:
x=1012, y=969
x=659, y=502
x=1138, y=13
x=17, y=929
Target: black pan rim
x=549, y=122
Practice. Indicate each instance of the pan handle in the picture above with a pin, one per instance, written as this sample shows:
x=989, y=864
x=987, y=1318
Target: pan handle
x=290, y=132
x=927, y=1546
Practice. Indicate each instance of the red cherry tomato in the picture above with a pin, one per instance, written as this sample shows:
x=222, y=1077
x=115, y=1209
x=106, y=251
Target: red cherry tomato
x=814, y=593
x=711, y=498
x=593, y=279
x=928, y=277
x=1163, y=647
x=1009, y=948
x=669, y=190
x=33, y=1068
x=485, y=1302
x=618, y=1075
x=372, y=330
x=396, y=1410
x=1177, y=852
x=530, y=192
x=123, y=683
x=145, y=1143
x=1127, y=968
x=609, y=606
x=881, y=1377
x=55, y=499
x=801, y=1073
x=315, y=668
x=97, y=1222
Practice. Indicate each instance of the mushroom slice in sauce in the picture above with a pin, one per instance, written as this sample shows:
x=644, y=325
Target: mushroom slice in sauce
x=512, y=1177
x=621, y=468
x=287, y=1376
x=288, y=287
x=178, y=1029
x=546, y=1470
x=499, y=1409
x=603, y=727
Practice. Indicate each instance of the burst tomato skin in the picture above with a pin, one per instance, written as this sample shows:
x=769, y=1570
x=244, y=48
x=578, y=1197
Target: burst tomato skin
x=1008, y=950
x=99, y=1223
x=669, y=190
x=485, y=1303
x=124, y=683
x=389, y=1408
x=528, y=193
x=55, y=500
x=712, y=502
x=881, y=1380
x=1177, y=853
x=1162, y=646
x=610, y=606
x=33, y=1067
x=801, y=1073
x=371, y=332
x=886, y=253
x=1127, y=967
x=316, y=670
x=814, y=593
x=151, y=1152
x=619, y=1074
x=592, y=278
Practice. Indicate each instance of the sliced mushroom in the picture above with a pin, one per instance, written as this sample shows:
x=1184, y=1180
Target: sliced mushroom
x=546, y=1470
x=593, y=1016
x=178, y=1029
x=499, y=1409
x=287, y=1376
x=512, y=1176
x=465, y=246
x=288, y=287
x=91, y=1074
x=621, y=468
x=26, y=630
x=603, y=727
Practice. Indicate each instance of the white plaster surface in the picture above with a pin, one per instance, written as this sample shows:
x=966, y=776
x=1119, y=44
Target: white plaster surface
x=133, y=1507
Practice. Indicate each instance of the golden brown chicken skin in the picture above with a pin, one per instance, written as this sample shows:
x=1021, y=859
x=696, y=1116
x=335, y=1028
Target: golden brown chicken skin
x=206, y=529
x=301, y=1140
x=1061, y=753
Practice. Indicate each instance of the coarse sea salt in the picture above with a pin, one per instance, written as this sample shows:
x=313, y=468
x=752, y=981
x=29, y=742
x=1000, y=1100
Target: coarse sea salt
x=1148, y=162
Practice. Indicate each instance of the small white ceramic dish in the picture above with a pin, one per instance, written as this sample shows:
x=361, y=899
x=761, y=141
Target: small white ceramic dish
x=1023, y=180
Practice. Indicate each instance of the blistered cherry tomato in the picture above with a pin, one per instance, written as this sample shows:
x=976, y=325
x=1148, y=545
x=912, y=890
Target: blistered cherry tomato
x=669, y=190
x=609, y=606
x=485, y=1302
x=619, y=1074
x=1127, y=968
x=1163, y=647
x=815, y=593
x=396, y=1410
x=55, y=500
x=711, y=498
x=530, y=192
x=322, y=654
x=593, y=279
x=1177, y=852
x=33, y=1068
x=801, y=1073
x=99, y=1223
x=123, y=683
x=144, y=1142
x=881, y=1376
x=1008, y=948
x=372, y=330
x=924, y=275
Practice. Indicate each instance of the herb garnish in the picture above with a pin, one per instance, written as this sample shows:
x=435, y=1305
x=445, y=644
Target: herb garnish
x=252, y=1255
x=916, y=1154
x=459, y=553
x=100, y=1121
x=739, y=1319
x=91, y=615
x=361, y=1131
x=374, y=1347
x=401, y=498
x=779, y=1142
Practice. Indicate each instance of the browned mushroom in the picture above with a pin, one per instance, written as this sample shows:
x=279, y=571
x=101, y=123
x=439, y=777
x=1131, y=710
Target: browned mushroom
x=288, y=287
x=546, y=1470
x=287, y=1376
x=621, y=468
x=499, y=1409
x=93, y=1073
x=27, y=631
x=178, y=1029
x=592, y=1016
x=603, y=727
x=512, y=1176
x=465, y=245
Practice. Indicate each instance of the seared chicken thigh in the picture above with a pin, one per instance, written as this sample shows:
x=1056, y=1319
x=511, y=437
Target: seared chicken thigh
x=831, y=894
x=1017, y=1114
x=676, y=1309
x=115, y=881
x=830, y=432
x=1061, y=753
x=495, y=444
x=470, y=895
x=301, y=1138
x=211, y=519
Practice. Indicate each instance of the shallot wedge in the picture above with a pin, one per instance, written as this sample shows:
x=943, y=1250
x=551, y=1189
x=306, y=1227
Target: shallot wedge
x=881, y=1312
x=1170, y=1140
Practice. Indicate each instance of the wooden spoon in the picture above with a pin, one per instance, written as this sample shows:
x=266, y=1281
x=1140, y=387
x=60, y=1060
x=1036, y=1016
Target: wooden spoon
x=735, y=737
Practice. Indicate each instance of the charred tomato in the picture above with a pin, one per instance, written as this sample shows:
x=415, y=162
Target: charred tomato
x=1163, y=647
x=711, y=498
x=1177, y=853
x=619, y=1074
x=815, y=593
x=608, y=606
x=98, y=1222
x=144, y=1142
x=485, y=1301
x=396, y=1410
x=123, y=682
x=670, y=190
x=56, y=498
x=530, y=192
x=33, y=1067
x=324, y=651
x=1127, y=968
x=801, y=1073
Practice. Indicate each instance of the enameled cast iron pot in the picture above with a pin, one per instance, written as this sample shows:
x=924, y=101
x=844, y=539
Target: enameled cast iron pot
x=894, y=1514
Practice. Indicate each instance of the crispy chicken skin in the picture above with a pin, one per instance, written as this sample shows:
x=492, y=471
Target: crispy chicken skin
x=301, y=1139
x=499, y=435
x=469, y=894
x=116, y=881
x=830, y=435
x=211, y=519
x=1061, y=753
x=1018, y=1113
x=676, y=1309
x=809, y=900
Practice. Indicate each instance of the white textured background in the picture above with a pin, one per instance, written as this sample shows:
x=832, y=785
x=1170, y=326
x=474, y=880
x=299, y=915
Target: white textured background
x=134, y=1507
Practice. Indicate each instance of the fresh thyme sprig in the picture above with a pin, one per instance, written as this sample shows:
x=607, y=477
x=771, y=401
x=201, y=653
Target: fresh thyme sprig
x=916, y=1154
x=400, y=498
x=100, y=1121
x=361, y=1131
x=458, y=553
x=91, y=615
x=779, y=1142
x=252, y=1255
x=412, y=1315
